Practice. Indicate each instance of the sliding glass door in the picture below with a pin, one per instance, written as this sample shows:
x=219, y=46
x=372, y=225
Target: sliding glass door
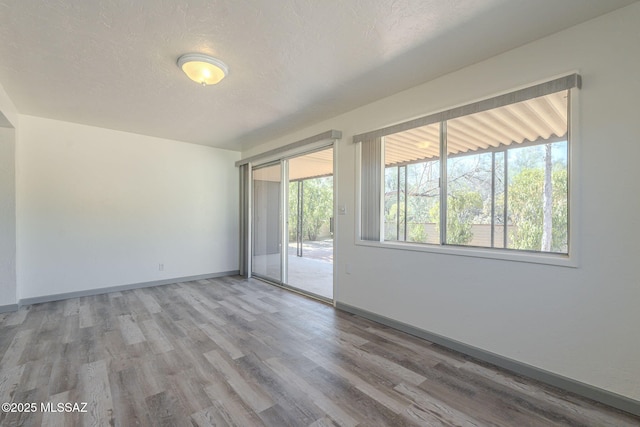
x=267, y=219
x=292, y=223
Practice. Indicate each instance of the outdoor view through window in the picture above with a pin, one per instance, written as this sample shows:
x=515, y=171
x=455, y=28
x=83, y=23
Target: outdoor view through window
x=504, y=174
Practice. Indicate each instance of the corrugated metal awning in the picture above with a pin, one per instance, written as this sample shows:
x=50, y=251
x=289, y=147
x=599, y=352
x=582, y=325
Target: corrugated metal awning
x=535, y=120
x=312, y=165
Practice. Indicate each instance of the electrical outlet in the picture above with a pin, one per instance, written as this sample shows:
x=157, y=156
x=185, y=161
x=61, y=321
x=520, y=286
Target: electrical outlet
x=347, y=268
x=161, y=267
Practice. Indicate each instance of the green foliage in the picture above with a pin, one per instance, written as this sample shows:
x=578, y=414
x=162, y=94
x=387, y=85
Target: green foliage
x=317, y=207
x=392, y=220
x=417, y=233
x=526, y=210
x=293, y=211
x=392, y=214
x=462, y=208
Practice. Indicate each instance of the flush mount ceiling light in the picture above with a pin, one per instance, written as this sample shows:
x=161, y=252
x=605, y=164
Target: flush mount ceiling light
x=203, y=69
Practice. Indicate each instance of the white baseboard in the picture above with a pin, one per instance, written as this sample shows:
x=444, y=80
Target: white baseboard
x=98, y=291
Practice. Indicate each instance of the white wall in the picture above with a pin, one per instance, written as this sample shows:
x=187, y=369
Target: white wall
x=99, y=208
x=7, y=108
x=7, y=218
x=577, y=322
x=7, y=202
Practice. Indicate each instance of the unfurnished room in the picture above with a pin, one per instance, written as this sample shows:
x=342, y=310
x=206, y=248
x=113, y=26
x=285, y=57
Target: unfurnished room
x=319, y=213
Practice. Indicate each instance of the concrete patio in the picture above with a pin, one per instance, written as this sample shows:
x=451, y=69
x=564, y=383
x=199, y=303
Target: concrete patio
x=313, y=272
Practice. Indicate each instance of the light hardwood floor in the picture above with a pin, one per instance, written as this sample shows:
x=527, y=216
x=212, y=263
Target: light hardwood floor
x=240, y=352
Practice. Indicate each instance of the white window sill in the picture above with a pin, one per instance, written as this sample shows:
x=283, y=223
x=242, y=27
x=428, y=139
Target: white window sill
x=560, y=260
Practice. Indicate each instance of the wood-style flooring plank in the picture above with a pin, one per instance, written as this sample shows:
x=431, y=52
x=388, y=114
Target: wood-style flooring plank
x=385, y=366
x=289, y=408
x=368, y=411
x=64, y=371
x=333, y=409
x=322, y=422
x=251, y=393
x=85, y=315
x=71, y=307
x=96, y=391
x=13, y=354
x=148, y=301
x=36, y=375
x=10, y=378
x=258, y=303
x=155, y=337
x=130, y=330
x=58, y=419
x=16, y=318
x=444, y=414
x=230, y=407
x=238, y=311
x=211, y=416
x=166, y=411
x=224, y=343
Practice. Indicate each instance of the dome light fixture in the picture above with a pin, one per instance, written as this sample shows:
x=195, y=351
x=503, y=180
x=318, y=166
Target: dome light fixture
x=203, y=69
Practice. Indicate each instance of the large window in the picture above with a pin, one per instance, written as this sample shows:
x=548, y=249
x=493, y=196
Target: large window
x=493, y=174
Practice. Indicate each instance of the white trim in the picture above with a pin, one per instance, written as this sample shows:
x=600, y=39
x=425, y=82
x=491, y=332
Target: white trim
x=284, y=220
x=573, y=165
x=8, y=308
x=560, y=260
x=382, y=168
x=335, y=223
x=249, y=243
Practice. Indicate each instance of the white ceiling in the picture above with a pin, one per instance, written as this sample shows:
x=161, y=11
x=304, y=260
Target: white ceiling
x=112, y=63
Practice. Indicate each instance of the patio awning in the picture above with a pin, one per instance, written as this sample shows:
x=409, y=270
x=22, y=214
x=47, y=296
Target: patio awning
x=312, y=165
x=531, y=121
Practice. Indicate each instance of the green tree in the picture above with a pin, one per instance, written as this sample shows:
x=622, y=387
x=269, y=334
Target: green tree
x=526, y=209
x=394, y=217
x=293, y=211
x=462, y=208
x=317, y=206
x=417, y=233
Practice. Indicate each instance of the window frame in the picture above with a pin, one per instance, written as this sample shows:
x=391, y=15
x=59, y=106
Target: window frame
x=571, y=259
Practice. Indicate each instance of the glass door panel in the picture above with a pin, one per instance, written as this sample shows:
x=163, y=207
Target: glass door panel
x=267, y=219
x=310, y=223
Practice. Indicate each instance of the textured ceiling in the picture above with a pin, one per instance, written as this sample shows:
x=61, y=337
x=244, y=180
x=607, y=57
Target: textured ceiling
x=112, y=63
